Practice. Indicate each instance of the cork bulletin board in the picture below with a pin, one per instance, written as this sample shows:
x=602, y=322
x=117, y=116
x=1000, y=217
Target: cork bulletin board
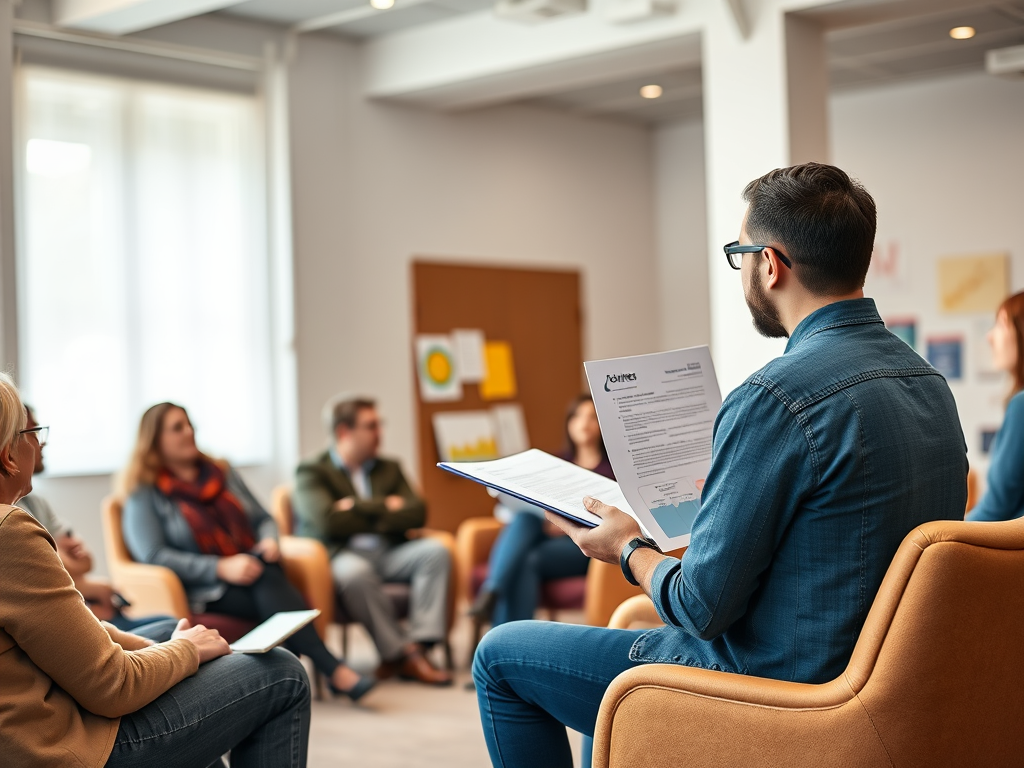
x=537, y=314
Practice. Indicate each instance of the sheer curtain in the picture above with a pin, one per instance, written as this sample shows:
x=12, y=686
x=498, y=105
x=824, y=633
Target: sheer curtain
x=142, y=265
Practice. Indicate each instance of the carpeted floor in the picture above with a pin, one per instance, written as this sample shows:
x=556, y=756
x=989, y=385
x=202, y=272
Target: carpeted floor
x=402, y=724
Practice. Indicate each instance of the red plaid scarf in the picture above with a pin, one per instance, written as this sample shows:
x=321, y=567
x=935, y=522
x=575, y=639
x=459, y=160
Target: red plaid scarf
x=215, y=516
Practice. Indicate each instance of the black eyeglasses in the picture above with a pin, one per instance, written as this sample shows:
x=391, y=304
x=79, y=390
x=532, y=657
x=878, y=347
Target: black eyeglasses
x=734, y=249
x=41, y=434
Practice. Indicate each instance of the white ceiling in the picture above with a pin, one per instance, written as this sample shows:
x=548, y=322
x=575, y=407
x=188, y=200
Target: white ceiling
x=880, y=51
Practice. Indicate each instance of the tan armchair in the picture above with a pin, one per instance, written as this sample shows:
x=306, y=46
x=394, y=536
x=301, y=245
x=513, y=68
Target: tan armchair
x=598, y=593
x=282, y=512
x=154, y=589
x=936, y=678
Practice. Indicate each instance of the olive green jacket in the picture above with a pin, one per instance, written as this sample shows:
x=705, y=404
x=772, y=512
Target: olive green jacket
x=319, y=484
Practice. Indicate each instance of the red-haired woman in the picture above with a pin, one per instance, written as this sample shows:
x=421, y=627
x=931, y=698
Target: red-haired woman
x=1004, y=496
x=185, y=512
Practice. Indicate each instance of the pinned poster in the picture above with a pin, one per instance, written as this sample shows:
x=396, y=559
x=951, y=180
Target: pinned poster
x=511, y=429
x=465, y=436
x=946, y=354
x=973, y=283
x=984, y=364
x=469, y=353
x=436, y=369
x=988, y=436
x=904, y=329
x=500, y=382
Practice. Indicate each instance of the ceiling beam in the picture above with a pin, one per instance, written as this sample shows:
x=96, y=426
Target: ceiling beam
x=740, y=16
x=122, y=17
x=340, y=18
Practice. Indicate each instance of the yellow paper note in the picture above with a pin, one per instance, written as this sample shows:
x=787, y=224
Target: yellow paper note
x=973, y=283
x=500, y=380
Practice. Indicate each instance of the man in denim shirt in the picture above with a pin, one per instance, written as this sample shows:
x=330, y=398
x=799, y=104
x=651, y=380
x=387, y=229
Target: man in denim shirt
x=822, y=462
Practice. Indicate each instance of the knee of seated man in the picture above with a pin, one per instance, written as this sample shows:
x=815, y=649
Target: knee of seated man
x=501, y=644
x=435, y=555
x=354, y=573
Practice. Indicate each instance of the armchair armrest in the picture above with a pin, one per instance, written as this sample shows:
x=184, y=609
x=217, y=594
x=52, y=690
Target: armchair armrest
x=669, y=715
x=607, y=588
x=473, y=543
x=307, y=566
x=151, y=589
x=638, y=612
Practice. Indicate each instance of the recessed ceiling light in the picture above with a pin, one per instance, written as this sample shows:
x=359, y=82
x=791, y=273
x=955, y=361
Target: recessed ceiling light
x=382, y=5
x=651, y=91
x=961, y=33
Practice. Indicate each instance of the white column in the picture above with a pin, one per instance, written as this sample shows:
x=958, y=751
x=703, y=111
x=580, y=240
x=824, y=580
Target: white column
x=747, y=124
x=8, y=281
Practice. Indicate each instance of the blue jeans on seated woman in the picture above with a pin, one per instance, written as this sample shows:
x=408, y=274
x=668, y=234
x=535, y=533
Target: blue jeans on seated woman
x=534, y=678
x=523, y=558
x=255, y=706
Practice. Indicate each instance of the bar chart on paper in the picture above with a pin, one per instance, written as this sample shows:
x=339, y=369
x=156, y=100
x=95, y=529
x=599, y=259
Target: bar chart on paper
x=674, y=504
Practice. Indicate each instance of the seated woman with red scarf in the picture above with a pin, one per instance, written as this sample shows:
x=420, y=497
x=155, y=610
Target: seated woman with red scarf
x=186, y=513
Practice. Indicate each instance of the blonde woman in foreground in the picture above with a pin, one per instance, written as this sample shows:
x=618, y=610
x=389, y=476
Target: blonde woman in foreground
x=78, y=692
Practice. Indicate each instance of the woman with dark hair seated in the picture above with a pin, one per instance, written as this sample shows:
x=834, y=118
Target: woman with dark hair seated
x=530, y=551
x=77, y=692
x=184, y=511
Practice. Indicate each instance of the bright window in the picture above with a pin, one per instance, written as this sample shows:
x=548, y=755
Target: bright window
x=142, y=265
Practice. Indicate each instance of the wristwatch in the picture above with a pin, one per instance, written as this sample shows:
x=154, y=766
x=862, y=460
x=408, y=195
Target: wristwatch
x=632, y=546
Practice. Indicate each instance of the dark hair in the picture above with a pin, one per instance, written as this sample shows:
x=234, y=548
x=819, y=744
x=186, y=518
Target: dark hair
x=1014, y=309
x=345, y=412
x=819, y=217
x=570, y=446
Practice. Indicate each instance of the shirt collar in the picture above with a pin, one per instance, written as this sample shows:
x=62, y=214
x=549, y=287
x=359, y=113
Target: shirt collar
x=367, y=467
x=835, y=315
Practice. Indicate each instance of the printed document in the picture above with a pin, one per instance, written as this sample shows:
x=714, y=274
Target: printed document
x=545, y=481
x=657, y=413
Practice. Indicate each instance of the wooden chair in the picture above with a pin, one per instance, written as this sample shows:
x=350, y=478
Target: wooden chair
x=283, y=513
x=154, y=589
x=936, y=678
x=597, y=594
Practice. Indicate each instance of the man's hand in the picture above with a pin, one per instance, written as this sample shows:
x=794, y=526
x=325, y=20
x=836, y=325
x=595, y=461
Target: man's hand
x=345, y=504
x=239, y=569
x=268, y=549
x=394, y=503
x=607, y=540
x=208, y=642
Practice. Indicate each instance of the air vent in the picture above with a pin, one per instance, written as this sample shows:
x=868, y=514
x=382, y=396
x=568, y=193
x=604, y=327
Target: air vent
x=537, y=11
x=1008, y=62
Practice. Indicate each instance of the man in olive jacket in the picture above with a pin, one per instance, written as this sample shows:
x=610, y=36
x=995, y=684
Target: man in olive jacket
x=362, y=507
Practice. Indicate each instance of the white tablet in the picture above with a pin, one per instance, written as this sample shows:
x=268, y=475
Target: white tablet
x=274, y=631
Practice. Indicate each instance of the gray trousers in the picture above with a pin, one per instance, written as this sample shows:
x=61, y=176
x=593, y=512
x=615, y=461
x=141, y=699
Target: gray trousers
x=424, y=564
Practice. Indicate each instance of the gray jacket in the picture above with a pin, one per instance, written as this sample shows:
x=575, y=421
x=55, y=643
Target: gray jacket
x=157, y=533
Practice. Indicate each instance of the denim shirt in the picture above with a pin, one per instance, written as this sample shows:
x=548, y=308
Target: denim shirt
x=823, y=461
x=1004, y=497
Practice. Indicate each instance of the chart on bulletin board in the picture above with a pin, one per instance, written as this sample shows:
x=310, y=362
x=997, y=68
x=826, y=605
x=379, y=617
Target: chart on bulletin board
x=494, y=372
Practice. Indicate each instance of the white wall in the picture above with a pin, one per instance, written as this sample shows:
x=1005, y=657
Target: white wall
x=944, y=160
x=378, y=184
x=681, y=226
x=374, y=185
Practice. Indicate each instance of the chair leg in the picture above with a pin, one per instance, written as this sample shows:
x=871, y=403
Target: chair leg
x=449, y=660
x=321, y=689
x=344, y=641
x=477, y=626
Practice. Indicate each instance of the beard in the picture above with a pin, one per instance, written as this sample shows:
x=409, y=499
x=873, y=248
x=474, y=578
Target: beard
x=764, y=314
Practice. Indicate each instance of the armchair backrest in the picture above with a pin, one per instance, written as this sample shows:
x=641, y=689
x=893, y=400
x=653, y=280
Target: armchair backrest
x=113, y=536
x=939, y=666
x=281, y=509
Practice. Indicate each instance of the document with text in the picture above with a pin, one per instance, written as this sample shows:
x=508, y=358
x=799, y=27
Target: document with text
x=545, y=481
x=657, y=414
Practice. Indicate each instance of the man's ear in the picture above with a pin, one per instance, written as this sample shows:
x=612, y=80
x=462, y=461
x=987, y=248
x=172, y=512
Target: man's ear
x=774, y=269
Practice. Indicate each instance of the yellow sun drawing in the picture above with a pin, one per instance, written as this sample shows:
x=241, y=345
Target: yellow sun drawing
x=438, y=366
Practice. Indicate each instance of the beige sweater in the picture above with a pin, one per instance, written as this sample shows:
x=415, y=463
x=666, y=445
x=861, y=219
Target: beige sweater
x=66, y=678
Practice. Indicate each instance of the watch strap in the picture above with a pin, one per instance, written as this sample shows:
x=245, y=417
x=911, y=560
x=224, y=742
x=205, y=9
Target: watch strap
x=637, y=542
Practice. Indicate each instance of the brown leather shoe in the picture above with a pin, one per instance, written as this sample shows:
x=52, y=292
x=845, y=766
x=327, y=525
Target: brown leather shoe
x=388, y=669
x=416, y=667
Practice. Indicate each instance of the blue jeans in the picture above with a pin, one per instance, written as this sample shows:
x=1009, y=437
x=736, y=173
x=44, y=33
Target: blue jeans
x=524, y=557
x=534, y=678
x=255, y=706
